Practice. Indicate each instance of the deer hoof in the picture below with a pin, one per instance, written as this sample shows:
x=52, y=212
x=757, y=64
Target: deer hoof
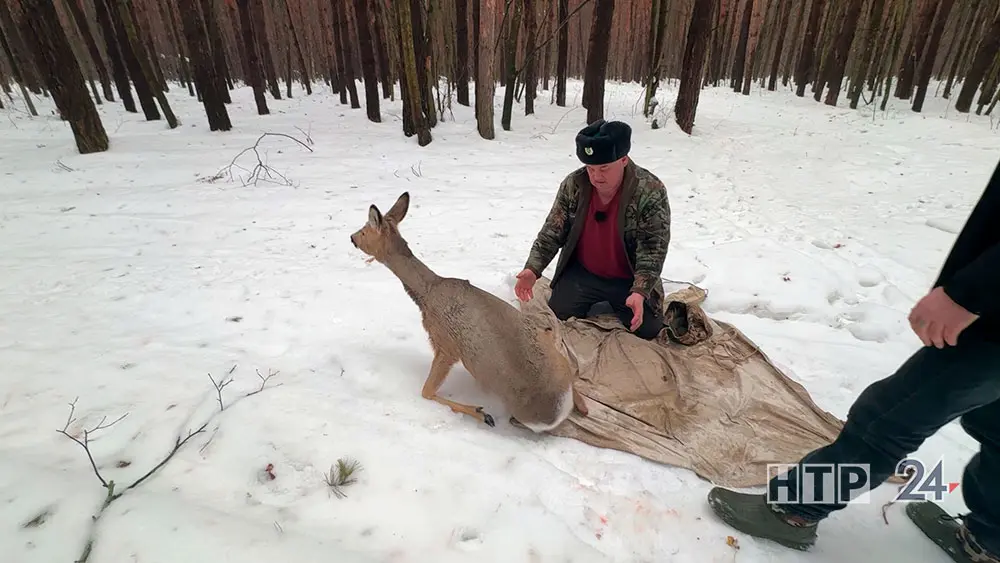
x=487, y=418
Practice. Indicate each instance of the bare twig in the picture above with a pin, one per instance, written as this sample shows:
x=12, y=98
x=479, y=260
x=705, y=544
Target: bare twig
x=260, y=170
x=113, y=494
x=85, y=443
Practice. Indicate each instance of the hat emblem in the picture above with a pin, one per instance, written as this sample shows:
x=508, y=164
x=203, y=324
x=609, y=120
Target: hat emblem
x=589, y=151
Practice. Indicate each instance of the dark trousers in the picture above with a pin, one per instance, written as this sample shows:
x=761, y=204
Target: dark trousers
x=893, y=417
x=577, y=290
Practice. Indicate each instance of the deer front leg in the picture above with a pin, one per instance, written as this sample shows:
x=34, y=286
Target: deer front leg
x=440, y=367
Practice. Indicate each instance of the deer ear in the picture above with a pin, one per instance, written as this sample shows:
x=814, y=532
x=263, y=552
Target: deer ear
x=374, y=217
x=399, y=209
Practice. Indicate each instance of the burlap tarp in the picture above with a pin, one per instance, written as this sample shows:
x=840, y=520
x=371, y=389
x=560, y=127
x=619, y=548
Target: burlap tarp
x=717, y=406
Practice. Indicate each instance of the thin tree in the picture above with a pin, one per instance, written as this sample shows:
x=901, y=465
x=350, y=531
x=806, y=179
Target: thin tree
x=531, y=62
x=95, y=54
x=16, y=51
x=739, y=61
x=562, y=52
x=295, y=35
x=986, y=54
x=868, y=53
x=914, y=48
x=782, y=31
x=485, y=71
x=510, y=61
x=254, y=76
x=462, y=51
x=693, y=66
x=203, y=66
x=63, y=76
x=220, y=66
x=344, y=55
x=840, y=49
x=804, y=71
x=413, y=118
x=367, y=49
x=597, y=59
x=926, y=67
x=654, y=53
x=143, y=68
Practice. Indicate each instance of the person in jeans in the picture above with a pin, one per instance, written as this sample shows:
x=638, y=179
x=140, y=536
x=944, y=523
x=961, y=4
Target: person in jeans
x=955, y=374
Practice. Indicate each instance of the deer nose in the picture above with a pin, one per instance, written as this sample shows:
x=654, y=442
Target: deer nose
x=354, y=242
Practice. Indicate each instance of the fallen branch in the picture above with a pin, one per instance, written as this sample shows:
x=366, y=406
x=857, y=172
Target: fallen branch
x=113, y=494
x=260, y=171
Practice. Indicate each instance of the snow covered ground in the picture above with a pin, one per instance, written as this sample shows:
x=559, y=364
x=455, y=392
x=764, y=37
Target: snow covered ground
x=126, y=279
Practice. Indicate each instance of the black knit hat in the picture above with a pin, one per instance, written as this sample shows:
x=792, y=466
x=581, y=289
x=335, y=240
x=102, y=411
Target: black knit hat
x=602, y=142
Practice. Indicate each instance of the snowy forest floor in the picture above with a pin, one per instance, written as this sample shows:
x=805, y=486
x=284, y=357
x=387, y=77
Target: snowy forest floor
x=127, y=279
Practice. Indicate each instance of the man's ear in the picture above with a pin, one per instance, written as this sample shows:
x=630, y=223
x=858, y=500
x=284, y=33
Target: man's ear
x=399, y=209
x=375, y=218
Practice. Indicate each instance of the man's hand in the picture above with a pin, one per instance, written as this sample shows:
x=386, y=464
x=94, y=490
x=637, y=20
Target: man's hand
x=938, y=320
x=634, y=302
x=525, y=281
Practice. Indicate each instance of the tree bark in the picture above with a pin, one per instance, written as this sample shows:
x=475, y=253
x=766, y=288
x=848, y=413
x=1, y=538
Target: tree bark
x=264, y=50
x=382, y=48
x=131, y=50
x=300, y=56
x=95, y=54
x=462, y=51
x=695, y=53
x=562, y=53
x=782, y=31
x=411, y=94
x=964, y=43
x=868, y=53
x=22, y=66
x=485, y=72
x=804, y=71
x=203, y=66
x=531, y=64
x=219, y=66
x=254, y=75
x=144, y=66
x=597, y=59
x=116, y=55
x=914, y=48
x=841, y=48
x=986, y=52
x=510, y=62
x=64, y=78
x=739, y=61
x=926, y=67
x=367, y=60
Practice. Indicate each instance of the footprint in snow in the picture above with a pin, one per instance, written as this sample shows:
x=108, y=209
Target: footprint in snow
x=467, y=539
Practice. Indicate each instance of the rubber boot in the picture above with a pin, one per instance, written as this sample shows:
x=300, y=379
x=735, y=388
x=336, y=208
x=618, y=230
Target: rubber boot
x=952, y=537
x=752, y=515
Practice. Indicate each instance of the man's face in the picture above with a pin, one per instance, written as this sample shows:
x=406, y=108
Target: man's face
x=607, y=176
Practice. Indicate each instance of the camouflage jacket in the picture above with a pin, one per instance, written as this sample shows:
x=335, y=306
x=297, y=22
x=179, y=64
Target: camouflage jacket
x=643, y=223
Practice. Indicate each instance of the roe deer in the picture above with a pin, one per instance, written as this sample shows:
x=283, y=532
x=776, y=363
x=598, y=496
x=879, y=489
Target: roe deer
x=509, y=353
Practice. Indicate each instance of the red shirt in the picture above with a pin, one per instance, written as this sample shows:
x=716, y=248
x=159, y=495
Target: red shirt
x=600, y=248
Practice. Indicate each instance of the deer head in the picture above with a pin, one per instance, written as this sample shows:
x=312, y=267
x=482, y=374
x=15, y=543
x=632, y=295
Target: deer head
x=379, y=237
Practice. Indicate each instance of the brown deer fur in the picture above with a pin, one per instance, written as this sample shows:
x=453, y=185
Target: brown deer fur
x=509, y=353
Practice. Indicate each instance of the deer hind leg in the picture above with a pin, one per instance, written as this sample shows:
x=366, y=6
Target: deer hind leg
x=440, y=367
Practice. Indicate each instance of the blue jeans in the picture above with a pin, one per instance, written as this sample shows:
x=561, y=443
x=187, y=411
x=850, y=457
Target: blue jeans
x=893, y=417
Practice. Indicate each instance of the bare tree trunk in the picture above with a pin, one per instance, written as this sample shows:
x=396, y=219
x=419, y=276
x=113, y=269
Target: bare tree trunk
x=95, y=54
x=143, y=67
x=562, y=53
x=17, y=53
x=220, y=69
x=695, y=53
x=142, y=82
x=657, y=32
x=597, y=59
x=782, y=31
x=421, y=51
x=510, y=62
x=840, y=49
x=986, y=52
x=462, y=47
x=807, y=55
x=411, y=94
x=915, y=46
x=867, y=54
x=254, y=75
x=930, y=54
x=203, y=65
x=531, y=64
x=117, y=56
x=739, y=61
x=264, y=48
x=64, y=78
x=963, y=46
x=299, y=52
x=367, y=60
x=485, y=73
